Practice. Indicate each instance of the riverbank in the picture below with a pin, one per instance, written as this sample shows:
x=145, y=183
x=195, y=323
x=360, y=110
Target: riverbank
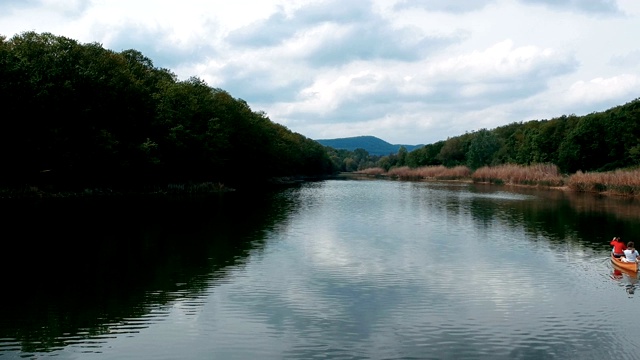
x=47, y=191
x=622, y=182
x=189, y=189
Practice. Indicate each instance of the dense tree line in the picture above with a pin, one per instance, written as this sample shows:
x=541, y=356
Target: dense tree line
x=600, y=141
x=595, y=142
x=347, y=161
x=78, y=114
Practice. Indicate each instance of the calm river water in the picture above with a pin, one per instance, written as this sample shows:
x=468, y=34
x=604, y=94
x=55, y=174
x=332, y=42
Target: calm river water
x=338, y=269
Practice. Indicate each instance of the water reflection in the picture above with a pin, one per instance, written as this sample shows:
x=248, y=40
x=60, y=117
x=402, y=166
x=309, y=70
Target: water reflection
x=558, y=215
x=93, y=269
x=331, y=269
x=627, y=279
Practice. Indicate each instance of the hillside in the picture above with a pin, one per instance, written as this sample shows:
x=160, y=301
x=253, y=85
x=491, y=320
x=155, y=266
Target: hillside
x=94, y=118
x=372, y=144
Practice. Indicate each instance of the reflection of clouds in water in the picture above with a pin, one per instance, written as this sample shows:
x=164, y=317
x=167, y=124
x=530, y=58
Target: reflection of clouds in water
x=506, y=287
x=391, y=279
x=492, y=269
x=310, y=302
x=469, y=271
x=326, y=251
x=374, y=266
x=340, y=272
x=500, y=195
x=344, y=257
x=483, y=281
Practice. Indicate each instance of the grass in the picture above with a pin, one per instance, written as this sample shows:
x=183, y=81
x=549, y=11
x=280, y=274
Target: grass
x=624, y=182
x=425, y=172
x=372, y=171
x=618, y=182
x=534, y=175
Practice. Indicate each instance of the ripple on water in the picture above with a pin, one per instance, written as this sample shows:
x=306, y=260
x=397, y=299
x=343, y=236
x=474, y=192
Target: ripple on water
x=358, y=272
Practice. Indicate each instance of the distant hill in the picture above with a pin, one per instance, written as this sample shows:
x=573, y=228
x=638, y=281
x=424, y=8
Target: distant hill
x=372, y=144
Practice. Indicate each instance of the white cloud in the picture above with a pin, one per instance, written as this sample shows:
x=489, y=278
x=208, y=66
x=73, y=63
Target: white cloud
x=453, y=6
x=590, y=6
x=502, y=61
x=376, y=97
x=405, y=71
x=603, y=90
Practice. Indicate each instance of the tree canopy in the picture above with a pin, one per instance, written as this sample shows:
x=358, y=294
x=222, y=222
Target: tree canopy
x=80, y=114
x=599, y=141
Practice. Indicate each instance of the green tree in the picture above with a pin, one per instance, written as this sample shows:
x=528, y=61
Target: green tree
x=92, y=116
x=482, y=148
x=425, y=156
x=454, y=151
x=402, y=156
x=584, y=148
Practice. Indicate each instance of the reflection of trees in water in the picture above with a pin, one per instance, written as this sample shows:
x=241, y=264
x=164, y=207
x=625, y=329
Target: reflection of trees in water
x=82, y=267
x=561, y=216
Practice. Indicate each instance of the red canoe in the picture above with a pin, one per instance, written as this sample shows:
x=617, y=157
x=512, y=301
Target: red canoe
x=630, y=266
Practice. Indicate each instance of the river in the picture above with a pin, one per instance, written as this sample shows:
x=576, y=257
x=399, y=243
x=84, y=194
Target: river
x=335, y=269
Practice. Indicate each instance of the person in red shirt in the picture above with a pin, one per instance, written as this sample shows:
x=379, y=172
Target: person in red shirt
x=618, y=247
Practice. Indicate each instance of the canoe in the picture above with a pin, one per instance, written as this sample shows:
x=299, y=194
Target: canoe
x=630, y=266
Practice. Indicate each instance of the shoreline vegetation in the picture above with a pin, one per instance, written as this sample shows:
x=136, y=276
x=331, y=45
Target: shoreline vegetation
x=95, y=122
x=47, y=191
x=184, y=189
x=622, y=182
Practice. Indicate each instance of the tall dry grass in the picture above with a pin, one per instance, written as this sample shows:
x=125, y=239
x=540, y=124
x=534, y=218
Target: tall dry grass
x=618, y=182
x=371, y=171
x=439, y=172
x=536, y=174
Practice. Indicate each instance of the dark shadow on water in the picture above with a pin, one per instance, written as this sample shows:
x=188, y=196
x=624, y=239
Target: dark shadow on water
x=562, y=216
x=72, y=267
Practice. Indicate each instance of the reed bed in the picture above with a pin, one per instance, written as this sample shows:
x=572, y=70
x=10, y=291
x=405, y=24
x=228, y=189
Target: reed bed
x=438, y=172
x=618, y=182
x=371, y=171
x=456, y=172
x=536, y=175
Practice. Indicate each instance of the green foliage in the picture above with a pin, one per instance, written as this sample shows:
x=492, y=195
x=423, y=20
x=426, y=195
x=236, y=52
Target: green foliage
x=402, y=156
x=482, y=148
x=84, y=115
x=345, y=160
x=425, y=156
x=595, y=142
x=78, y=114
x=454, y=151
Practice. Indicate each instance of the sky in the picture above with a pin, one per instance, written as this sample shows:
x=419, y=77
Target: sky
x=406, y=71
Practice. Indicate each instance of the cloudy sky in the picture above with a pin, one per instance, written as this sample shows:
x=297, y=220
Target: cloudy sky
x=406, y=71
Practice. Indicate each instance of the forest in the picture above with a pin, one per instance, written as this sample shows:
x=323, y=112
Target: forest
x=597, y=142
x=80, y=116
